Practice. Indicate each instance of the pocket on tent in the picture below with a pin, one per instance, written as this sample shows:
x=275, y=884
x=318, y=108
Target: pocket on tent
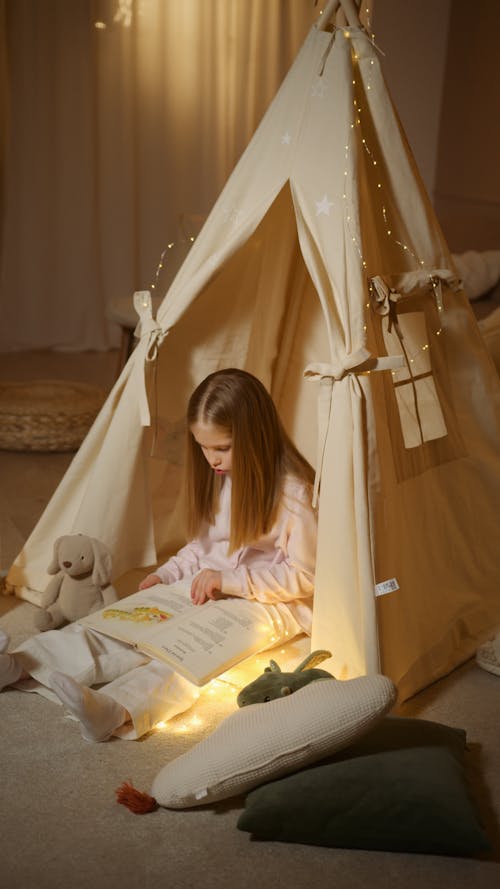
x=419, y=411
x=420, y=415
x=419, y=408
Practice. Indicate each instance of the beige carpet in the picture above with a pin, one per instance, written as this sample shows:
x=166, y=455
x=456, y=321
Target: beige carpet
x=61, y=826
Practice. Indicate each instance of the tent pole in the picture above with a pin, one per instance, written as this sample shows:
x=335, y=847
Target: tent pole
x=350, y=12
x=328, y=13
x=349, y=9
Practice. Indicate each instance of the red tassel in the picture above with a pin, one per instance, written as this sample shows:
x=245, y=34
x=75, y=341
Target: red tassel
x=138, y=802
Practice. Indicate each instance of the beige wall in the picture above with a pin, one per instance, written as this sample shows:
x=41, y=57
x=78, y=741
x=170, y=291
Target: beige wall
x=467, y=193
x=441, y=65
x=413, y=37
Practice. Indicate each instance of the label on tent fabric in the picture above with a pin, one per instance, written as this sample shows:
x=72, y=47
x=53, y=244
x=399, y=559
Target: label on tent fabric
x=386, y=586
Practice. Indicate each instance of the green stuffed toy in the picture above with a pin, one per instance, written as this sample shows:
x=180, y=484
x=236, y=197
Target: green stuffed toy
x=275, y=684
x=81, y=566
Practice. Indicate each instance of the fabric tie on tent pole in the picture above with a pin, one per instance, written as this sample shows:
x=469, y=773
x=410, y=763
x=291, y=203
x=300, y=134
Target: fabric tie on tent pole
x=150, y=335
x=147, y=325
x=438, y=293
x=384, y=302
x=360, y=362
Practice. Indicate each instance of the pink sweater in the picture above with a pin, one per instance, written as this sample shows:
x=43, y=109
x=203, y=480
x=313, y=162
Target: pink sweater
x=278, y=568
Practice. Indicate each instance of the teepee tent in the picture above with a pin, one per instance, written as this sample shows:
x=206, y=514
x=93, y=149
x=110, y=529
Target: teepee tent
x=322, y=270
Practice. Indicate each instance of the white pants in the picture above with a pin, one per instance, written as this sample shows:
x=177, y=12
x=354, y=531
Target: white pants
x=150, y=690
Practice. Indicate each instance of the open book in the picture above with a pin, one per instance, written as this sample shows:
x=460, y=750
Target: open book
x=199, y=641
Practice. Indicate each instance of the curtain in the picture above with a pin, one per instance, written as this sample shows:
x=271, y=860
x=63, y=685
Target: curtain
x=126, y=118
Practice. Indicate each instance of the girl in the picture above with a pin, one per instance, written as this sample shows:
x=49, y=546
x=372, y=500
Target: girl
x=253, y=530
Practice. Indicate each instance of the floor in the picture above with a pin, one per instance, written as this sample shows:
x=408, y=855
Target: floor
x=28, y=480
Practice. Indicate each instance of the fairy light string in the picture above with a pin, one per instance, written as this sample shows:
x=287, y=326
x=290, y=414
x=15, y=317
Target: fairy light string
x=388, y=227
x=161, y=262
x=412, y=351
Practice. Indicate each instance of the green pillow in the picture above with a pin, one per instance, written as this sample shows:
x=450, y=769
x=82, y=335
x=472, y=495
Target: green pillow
x=401, y=788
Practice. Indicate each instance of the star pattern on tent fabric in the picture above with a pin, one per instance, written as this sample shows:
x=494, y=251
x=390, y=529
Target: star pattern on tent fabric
x=286, y=138
x=323, y=206
x=233, y=215
x=214, y=260
x=319, y=88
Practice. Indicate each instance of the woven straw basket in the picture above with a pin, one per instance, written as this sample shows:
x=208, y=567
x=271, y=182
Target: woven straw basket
x=47, y=415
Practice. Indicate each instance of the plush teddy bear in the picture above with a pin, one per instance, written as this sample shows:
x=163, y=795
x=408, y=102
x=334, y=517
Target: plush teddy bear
x=82, y=569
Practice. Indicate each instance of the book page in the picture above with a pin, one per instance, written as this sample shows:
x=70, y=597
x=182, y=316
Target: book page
x=135, y=618
x=215, y=636
x=200, y=641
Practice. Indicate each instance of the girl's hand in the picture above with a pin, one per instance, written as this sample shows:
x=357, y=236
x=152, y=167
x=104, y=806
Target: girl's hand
x=206, y=585
x=148, y=581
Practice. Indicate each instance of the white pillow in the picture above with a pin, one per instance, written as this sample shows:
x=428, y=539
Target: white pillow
x=264, y=741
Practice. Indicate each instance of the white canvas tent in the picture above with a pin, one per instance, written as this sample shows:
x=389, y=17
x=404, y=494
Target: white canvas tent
x=321, y=269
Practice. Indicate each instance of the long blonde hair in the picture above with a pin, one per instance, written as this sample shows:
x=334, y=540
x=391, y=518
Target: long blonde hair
x=262, y=455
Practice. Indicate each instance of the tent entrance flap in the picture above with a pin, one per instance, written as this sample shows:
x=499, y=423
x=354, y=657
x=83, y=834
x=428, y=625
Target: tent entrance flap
x=259, y=312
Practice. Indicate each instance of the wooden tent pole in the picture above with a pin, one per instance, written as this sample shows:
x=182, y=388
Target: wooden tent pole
x=351, y=12
x=348, y=8
x=328, y=13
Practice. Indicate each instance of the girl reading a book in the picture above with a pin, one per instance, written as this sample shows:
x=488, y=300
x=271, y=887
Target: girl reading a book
x=252, y=533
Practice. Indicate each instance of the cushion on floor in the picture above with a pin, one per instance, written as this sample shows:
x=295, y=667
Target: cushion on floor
x=400, y=788
x=264, y=741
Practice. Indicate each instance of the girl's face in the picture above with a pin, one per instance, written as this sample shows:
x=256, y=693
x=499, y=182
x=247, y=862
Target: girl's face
x=216, y=444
